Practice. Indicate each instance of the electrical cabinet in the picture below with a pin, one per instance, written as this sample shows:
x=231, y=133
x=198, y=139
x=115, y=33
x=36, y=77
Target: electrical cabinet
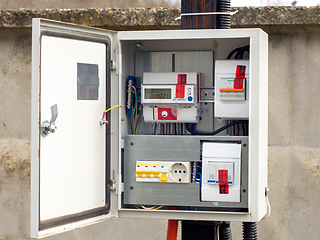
x=129, y=124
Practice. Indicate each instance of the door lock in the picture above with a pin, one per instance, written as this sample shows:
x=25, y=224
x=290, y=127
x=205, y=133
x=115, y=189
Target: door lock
x=50, y=127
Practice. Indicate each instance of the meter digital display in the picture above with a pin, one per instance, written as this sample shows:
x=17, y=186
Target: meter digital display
x=157, y=93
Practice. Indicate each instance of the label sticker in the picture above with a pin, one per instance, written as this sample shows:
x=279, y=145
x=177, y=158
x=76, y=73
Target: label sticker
x=166, y=114
x=180, y=87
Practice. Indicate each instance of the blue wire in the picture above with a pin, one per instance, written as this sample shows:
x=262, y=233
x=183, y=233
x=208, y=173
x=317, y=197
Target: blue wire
x=189, y=208
x=200, y=180
x=198, y=167
x=193, y=127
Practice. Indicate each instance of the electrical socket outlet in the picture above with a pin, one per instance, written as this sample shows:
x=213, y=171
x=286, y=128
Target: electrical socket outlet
x=163, y=172
x=179, y=172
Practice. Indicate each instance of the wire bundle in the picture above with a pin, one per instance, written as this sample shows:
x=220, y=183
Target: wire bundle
x=147, y=208
x=239, y=52
x=134, y=113
x=189, y=128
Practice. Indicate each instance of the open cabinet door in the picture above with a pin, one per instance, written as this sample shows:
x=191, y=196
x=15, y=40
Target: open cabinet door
x=70, y=157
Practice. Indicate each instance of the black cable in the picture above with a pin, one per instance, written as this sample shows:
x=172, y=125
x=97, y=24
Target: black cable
x=239, y=52
x=243, y=50
x=233, y=52
x=249, y=231
x=188, y=127
x=242, y=125
x=237, y=56
x=225, y=231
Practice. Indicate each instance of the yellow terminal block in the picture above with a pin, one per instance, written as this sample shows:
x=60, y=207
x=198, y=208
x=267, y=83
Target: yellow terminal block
x=163, y=177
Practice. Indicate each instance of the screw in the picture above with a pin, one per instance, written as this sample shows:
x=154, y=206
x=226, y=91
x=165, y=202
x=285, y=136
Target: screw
x=244, y=145
x=244, y=190
x=131, y=143
x=131, y=188
x=139, y=45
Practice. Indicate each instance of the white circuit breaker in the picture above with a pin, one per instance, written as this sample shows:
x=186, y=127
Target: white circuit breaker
x=231, y=89
x=170, y=97
x=221, y=165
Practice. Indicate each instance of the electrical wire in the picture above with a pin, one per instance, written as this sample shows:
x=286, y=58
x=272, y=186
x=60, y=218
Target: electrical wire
x=188, y=127
x=147, y=208
x=133, y=118
x=239, y=52
x=158, y=207
x=136, y=108
x=136, y=206
x=132, y=122
x=200, y=182
x=138, y=120
x=105, y=112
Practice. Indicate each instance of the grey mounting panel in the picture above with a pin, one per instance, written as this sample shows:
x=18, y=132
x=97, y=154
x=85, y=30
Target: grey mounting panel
x=175, y=148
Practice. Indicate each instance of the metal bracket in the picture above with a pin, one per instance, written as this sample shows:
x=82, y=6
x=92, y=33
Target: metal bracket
x=113, y=65
x=207, y=95
x=112, y=184
x=50, y=127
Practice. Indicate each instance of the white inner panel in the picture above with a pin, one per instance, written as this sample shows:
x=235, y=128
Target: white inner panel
x=72, y=160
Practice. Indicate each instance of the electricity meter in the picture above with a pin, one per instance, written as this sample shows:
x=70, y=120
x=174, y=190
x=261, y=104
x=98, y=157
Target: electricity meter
x=170, y=97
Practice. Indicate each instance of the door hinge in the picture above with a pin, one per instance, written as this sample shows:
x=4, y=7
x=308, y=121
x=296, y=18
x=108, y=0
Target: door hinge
x=112, y=184
x=113, y=65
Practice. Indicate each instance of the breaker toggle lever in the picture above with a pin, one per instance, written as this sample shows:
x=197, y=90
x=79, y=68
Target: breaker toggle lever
x=223, y=182
x=50, y=127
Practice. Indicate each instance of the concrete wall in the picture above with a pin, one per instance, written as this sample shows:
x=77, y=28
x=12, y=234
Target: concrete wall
x=294, y=143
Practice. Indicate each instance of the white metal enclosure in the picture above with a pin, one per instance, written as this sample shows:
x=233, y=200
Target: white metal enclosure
x=84, y=172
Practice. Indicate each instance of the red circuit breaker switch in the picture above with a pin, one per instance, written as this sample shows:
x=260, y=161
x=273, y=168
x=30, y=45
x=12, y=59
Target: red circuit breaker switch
x=223, y=182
